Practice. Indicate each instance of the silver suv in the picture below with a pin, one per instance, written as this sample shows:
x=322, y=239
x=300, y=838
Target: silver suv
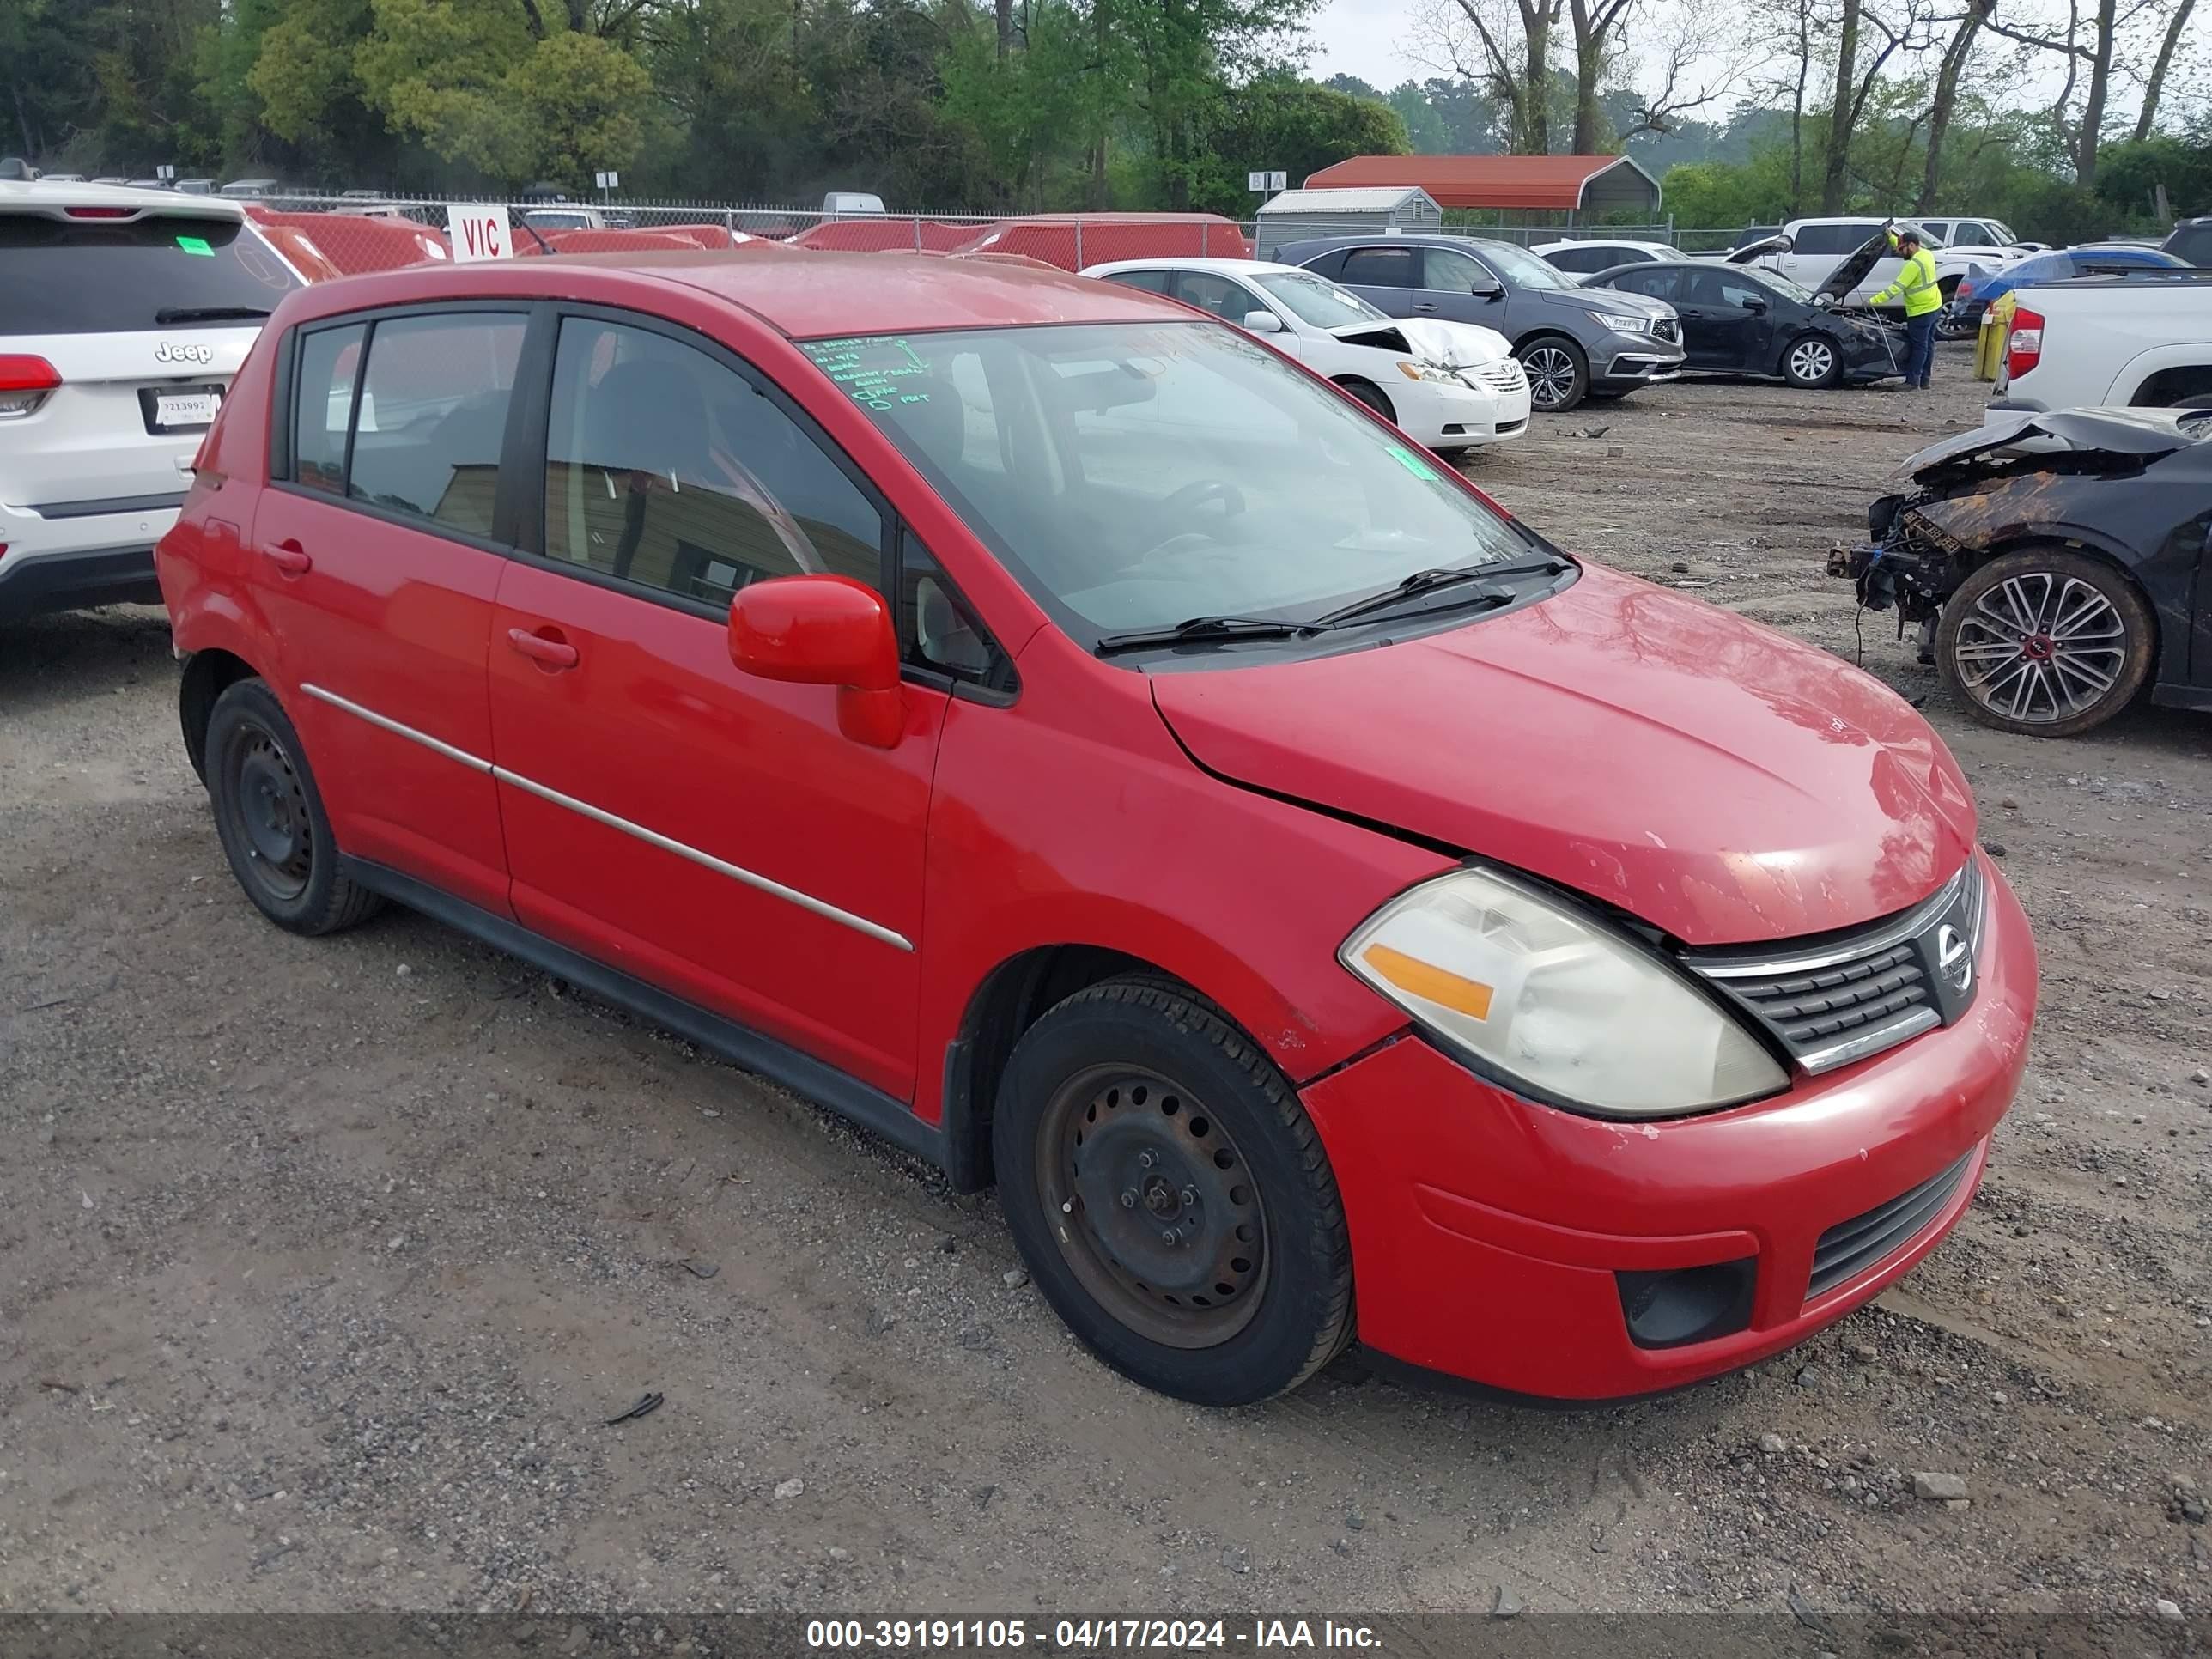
x=123, y=314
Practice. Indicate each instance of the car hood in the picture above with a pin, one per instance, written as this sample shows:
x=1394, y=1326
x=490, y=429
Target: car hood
x=1611, y=300
x=2136, y=432
x=1853, y=270
x=1720, y=780
x=1453, y=345
x=1759, y=250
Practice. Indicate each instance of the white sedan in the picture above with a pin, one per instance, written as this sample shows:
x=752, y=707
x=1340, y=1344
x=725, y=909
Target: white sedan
x=1447, y=385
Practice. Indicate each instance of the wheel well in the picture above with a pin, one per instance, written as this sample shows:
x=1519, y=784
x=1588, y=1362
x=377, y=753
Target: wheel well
x=208, y=675
x=1528, y=340
x=1947, y=286
x=2169, y=386
x=1010, y=1000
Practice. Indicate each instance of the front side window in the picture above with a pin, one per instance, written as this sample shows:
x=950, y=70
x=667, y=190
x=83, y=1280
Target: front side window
x=1230, y=302
x=1522, y=269
x=1380, y=267
x=1133, y=476
x=667, y=468
x=1739, y=292
x=1446, y=271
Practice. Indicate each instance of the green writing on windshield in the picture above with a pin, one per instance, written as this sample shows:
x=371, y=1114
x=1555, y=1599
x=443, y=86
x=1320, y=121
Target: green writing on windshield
x=870, y=370
x=196, y=245
x=1412, y=463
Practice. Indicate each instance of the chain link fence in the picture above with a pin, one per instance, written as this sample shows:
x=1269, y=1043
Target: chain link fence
x=328, y=236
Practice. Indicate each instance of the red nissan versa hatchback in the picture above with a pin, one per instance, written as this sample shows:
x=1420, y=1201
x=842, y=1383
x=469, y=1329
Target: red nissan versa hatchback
x=1061, y=733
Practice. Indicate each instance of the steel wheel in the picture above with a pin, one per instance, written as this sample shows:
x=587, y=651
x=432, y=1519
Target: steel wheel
x=1952, y=323
x=1165, y=1226
x=272, y=813
x=1554, y=375
x=2047, y=643
x=1811, y=361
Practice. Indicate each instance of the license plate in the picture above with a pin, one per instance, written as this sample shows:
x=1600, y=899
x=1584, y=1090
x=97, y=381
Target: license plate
x=185, y=409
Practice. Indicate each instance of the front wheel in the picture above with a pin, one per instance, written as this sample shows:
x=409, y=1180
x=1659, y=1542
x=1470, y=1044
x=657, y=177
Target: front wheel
x=1372, y=396
x=1170, y=1196
x=1952, y=323
x=1559, y=373
x=2045, y=642
x=1811, y=361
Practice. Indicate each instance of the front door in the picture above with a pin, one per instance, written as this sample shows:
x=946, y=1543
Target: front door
x=373, y=555
x=1460, y=288
x=706, y=831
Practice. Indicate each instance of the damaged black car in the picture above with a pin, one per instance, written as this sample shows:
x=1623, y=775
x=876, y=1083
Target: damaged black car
x=2055, y=564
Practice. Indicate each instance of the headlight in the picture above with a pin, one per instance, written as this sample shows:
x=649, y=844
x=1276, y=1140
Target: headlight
x=1429, y=372
x=1621, y=325
x=1556, y=999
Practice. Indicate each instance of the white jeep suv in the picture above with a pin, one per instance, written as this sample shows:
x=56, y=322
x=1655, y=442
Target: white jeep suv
x=123, y=314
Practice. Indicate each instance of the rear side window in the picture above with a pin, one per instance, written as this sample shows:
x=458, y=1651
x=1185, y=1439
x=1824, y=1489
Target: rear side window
x=1228, y=300
x=1662, y=284
x=667, y=468
x=431, y=417
x=2192, y=243
x=84, y=277
x=1152, y=282
x=330, y=362
x=1380, y=267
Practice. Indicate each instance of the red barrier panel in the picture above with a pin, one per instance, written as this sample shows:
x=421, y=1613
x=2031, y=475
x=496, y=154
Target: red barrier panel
x=355, y=243
x=886, y=233
x=661, y=238
x=1074, y=241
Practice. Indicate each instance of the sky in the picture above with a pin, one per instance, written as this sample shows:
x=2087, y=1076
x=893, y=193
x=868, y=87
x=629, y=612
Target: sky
x=1365, y=37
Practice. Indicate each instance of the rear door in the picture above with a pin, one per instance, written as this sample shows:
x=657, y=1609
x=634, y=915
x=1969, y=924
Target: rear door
x=375, y=553
x=144, y=323
x=1720, y=330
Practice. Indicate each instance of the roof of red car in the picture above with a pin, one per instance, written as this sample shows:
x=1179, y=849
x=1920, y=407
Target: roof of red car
x=807, y=293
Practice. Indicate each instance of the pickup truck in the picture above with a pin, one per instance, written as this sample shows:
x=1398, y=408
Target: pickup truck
x=1817, y=247
x=2144, y=339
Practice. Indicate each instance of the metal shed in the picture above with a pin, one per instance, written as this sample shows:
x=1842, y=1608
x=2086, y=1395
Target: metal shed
x=1295, y=215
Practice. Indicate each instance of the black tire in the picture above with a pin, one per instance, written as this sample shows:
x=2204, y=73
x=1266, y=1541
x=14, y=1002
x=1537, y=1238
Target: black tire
x=1254, y=1295
x=1371, y=395
x=269, y=817
x=1558, y=369
x=1951, y=322
x=1811, y=360
x=2045, y=642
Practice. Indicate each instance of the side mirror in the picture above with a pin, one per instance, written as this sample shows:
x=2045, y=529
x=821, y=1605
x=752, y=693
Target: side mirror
x=1492, y=291
x=1262, y=322
x=824, y=630
x=1755, y=306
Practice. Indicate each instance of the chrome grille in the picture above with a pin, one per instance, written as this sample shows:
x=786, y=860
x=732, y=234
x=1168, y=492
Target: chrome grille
x=1506, y=374
x=1668, y=328
x=1850, y=1247
x=1849, y=994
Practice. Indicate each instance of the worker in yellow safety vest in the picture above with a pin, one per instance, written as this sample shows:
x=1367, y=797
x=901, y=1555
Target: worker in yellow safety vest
x=1923, y=302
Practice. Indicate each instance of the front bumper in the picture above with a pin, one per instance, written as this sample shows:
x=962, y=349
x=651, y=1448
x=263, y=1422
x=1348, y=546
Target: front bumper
x=1626, y=361
x=1488, y=1233
x=1454, y=417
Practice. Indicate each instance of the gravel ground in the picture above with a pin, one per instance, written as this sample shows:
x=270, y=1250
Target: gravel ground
x=322, y=1264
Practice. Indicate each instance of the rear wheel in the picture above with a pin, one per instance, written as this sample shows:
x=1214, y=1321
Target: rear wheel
x=2045, y=642
x=1952, y=323
x=1811, y=360
x=1372, y=396
x=1559, y=373
x=270, y=818
x=1171, y=1197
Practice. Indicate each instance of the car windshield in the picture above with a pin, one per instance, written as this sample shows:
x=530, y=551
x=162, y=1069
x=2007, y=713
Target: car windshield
x=2002, y=231
x=1135, y=475
x=1787, y=287
x=1317, y=303
x=1523, y=269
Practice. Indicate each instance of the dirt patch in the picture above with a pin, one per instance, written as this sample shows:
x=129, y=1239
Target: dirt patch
x=321, y=1264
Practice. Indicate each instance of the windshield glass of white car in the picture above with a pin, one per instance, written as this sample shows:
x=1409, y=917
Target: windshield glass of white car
x=1316, y=303
x=1135, y=475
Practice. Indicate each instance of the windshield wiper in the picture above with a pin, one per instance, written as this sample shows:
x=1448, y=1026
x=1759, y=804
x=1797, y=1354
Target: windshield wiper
x=1204, y=629
x=1427, y=581
x=169, y=314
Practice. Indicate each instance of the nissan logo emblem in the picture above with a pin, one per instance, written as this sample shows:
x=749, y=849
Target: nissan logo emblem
x=1954, y=958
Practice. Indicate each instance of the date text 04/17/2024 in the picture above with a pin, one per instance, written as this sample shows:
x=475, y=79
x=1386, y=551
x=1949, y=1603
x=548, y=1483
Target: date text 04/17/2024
x=1084, y=1635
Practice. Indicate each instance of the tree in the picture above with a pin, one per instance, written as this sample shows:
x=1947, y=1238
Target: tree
x=1964, y=34
x=1295, y=125
x=1852, y=89
x=1504, y=46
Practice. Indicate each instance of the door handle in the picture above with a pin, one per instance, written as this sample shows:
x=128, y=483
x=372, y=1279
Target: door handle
x=1425, y=306
x=290, y=558
x=554, y=652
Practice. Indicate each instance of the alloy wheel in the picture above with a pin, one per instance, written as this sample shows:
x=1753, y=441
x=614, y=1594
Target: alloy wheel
x=1951, y=323
x=1551, y=375
x=1811, y=360
x=2039, y=647
x=1158, y=1214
